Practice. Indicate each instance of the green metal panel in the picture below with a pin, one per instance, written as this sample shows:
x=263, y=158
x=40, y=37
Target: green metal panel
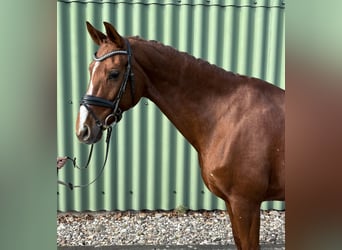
x=150, y=165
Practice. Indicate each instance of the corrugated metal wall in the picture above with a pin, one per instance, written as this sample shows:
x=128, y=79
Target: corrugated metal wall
x=150, y=165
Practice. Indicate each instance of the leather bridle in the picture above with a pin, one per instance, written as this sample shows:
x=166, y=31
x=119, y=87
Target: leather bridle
x=113, y=105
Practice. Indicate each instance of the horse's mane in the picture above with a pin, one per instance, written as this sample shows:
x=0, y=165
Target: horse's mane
x=172, y=51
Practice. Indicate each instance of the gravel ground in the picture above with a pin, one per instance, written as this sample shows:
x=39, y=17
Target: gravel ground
x=160, y=228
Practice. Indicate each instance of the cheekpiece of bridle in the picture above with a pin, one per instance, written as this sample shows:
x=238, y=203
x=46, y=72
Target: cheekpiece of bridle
x=113, y=105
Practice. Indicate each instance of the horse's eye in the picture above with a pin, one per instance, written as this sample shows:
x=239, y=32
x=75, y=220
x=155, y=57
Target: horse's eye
x=113, y=75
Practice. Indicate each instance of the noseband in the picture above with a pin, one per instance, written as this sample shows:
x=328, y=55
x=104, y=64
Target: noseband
x=113, y=105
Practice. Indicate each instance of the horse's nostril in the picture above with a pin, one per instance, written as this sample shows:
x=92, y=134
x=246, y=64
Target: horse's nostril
x=84, y=133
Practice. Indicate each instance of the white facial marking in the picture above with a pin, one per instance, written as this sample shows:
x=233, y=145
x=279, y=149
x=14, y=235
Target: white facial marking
x=90, y=90
x=83, y=116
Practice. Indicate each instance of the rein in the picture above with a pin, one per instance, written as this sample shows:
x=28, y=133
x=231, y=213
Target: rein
x=113, y=105
x=72, y=186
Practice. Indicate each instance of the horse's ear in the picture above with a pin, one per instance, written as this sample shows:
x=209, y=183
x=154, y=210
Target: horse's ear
x=113, y=35
x=97, y=36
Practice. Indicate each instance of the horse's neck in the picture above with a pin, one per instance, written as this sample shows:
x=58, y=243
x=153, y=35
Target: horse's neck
x=182, y=88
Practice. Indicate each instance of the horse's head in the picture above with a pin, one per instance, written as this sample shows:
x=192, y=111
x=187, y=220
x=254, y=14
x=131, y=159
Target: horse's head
x=111, y=88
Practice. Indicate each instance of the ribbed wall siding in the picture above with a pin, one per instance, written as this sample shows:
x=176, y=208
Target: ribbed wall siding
x=150, y=165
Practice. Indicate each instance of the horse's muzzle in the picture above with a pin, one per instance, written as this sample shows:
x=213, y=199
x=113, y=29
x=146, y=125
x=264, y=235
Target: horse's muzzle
x=88, y=134
x=83, y=134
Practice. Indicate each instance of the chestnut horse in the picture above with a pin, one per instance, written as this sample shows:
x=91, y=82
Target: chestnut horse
x=236, y=123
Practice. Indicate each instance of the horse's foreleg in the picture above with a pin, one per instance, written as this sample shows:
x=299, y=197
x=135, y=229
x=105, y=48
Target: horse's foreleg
x=235, y=232
x=245, y=219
